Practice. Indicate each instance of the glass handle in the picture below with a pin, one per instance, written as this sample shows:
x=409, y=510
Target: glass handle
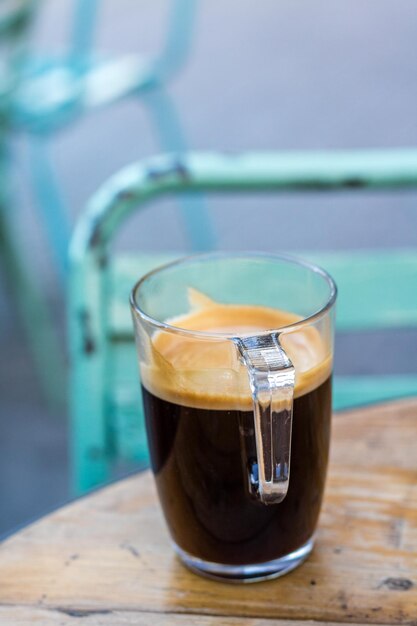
x=271, y=378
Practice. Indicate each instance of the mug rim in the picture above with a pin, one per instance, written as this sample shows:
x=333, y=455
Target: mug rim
x=288, y=258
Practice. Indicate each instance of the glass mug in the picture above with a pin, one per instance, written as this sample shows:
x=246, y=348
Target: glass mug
x=235, y=355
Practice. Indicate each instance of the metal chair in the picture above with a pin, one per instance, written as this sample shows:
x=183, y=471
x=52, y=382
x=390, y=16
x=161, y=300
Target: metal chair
x=57, y=91
x=15, y=21
x=376, y=289
x=41, y=95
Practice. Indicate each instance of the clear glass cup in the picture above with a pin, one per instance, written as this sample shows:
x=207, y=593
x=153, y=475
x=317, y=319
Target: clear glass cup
x=235, y=354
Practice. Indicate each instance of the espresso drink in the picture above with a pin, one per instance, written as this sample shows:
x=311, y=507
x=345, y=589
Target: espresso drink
x=200, y=428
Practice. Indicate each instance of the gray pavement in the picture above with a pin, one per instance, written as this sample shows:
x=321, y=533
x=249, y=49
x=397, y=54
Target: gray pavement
x=286, y=75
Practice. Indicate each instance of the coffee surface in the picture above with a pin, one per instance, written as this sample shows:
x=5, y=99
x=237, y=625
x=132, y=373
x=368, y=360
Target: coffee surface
x=205, y=373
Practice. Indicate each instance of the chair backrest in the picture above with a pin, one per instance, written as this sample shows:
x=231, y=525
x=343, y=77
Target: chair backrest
x=138, y=184
x=101, y=329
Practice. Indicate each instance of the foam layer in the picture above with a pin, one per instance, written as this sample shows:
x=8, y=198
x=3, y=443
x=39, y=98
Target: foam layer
x=207, y=373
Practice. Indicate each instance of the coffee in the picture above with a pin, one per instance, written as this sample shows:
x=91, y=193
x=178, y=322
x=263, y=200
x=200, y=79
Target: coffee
x=200, y=428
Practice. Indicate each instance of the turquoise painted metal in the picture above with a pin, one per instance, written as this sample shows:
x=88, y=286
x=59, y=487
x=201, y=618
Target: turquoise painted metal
x=41, y=95
x=377, y=289
x=15, y=263
x=56, y=92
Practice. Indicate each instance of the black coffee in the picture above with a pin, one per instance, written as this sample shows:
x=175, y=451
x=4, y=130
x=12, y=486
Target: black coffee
x=200, y=427
x=201, y=458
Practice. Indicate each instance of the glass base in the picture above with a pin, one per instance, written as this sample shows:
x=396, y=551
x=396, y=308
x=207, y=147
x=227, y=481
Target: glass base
x=246, y=573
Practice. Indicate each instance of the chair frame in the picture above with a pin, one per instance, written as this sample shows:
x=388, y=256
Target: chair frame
x=138, y=185
x=43, y=95
x=56, y=91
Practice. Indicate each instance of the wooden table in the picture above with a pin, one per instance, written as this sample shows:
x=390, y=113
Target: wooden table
x=106, y=558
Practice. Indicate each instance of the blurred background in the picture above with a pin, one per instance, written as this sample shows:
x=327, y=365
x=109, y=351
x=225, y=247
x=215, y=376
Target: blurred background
x=270, y=75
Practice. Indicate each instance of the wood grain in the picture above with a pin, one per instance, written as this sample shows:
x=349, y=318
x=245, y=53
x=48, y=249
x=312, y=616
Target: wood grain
x=19, y=616
x=110, y=551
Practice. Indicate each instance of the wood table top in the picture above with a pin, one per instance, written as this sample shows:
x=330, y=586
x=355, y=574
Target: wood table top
x=106, y=559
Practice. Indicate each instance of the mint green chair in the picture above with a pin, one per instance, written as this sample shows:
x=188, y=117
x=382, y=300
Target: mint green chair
x=15, y=264
x=377, y=290
x=40, y=94
x=57, y=90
